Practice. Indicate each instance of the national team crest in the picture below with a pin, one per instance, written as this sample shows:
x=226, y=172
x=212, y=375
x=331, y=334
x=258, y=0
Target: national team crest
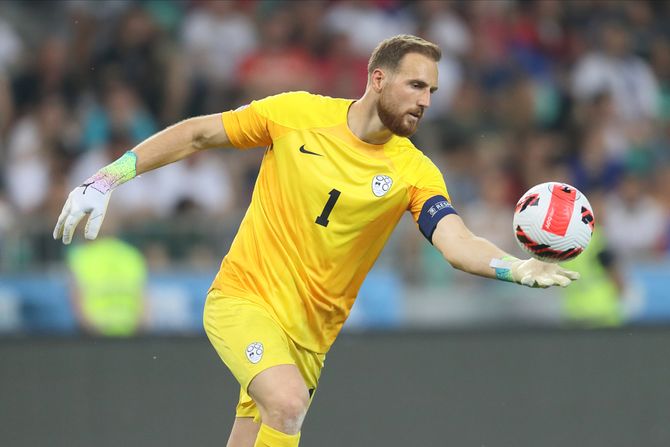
x=255, y=352
x=381, y=184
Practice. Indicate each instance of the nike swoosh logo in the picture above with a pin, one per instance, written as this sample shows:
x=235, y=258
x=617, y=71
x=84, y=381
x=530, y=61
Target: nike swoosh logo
x=305, y=151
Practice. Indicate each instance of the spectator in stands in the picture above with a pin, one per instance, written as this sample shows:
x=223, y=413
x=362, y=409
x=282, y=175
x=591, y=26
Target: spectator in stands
x=342, y=73
x=292, y=66
x=491, y=214
x=215, y=37
x=201, y=186
x=122, y=110
x=34, y=144
x=636, y=221
x=138, y=55
x=6, y=106
x=592, y=166
x=11, y=47
x=46, y=73
x=612, y=67
x=108, y=282
x=367, y=23
x=442, y=25
x=660, y=60
x=596, y=301
x=11, y=44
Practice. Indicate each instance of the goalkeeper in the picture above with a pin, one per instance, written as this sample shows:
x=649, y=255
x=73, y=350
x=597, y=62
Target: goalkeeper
x=336, y=177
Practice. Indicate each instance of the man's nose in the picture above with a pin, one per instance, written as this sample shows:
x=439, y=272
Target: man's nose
x=424, y=100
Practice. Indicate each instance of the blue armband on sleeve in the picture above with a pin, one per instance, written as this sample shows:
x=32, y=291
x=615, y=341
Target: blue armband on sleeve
x=433, y=210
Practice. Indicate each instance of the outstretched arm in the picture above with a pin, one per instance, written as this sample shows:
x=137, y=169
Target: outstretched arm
x=167, y=146
x=473, y=254
x=179, y=141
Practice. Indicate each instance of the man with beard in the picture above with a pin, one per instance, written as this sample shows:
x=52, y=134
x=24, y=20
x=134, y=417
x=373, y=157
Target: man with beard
x=336, y=177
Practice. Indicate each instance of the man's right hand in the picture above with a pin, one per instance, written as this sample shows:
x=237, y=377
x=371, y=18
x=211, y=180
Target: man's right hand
x=92, y=198
x=84, y=199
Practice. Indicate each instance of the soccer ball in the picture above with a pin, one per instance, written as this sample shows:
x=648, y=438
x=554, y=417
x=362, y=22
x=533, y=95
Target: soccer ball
x=553, y=222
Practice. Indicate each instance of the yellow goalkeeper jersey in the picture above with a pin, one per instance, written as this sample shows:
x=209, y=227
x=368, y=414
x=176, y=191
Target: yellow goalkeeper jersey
x=324, y=205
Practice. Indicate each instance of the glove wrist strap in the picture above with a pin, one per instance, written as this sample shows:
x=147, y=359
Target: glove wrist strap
x=503, y=267
x=114, y=174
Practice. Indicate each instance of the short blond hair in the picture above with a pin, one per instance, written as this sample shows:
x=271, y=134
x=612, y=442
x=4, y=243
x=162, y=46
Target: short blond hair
x=390, y=52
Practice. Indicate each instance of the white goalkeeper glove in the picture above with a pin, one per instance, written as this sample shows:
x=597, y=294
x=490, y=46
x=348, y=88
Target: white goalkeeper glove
x=92, y=198
x=532, y=272
x=82, y=200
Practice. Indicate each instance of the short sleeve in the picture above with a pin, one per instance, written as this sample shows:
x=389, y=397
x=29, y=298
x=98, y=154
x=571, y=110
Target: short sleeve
x=246, y=127
x=262, y=121
x=428, y=183
x=429, y=199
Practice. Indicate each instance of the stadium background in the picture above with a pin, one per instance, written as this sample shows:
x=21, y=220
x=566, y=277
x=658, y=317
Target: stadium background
x=530, y=91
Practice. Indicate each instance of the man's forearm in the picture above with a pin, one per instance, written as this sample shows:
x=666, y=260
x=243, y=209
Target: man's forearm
x=172, y=144
x=475, y=255
x=463, y=250
x=167, y=146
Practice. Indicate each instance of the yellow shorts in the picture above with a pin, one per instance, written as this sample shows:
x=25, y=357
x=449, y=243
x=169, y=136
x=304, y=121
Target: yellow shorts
x=249, y=341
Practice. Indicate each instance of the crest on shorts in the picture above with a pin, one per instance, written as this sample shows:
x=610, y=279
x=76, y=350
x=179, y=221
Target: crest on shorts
x=381, y=184
x=255, y=352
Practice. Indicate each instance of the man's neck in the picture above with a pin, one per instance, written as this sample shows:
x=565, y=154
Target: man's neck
x=364, y=121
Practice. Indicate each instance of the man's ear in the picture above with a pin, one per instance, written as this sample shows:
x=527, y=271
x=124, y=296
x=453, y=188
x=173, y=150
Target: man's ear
x=377, y=79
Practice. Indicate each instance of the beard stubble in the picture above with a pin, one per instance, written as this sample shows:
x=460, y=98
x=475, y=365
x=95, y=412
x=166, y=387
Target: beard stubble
x=393, y=119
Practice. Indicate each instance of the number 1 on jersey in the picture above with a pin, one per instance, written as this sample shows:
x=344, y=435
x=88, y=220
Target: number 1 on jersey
x=323, y=218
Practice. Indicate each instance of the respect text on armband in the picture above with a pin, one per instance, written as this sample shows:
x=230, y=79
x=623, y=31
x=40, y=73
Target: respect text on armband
x=433, y=210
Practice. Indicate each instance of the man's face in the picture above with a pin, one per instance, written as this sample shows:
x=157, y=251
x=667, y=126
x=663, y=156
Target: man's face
x=405, y=93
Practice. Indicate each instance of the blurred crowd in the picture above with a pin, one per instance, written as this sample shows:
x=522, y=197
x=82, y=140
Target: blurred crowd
x=530, y=91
